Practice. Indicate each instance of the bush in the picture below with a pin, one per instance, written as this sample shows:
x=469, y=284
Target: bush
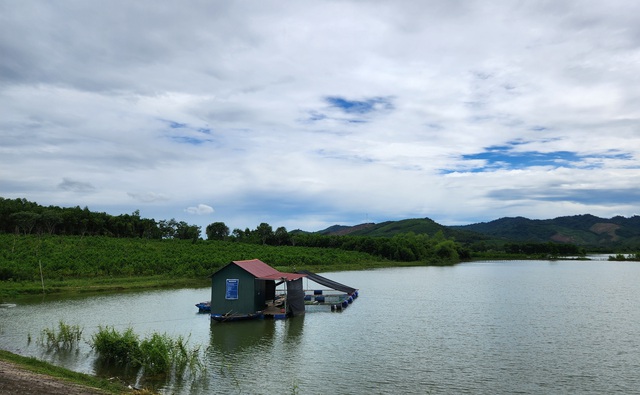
x=119, y=348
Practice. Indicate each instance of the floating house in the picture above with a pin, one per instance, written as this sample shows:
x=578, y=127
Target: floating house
x=247, y=289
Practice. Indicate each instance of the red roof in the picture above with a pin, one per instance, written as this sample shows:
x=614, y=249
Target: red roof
x=262, y=271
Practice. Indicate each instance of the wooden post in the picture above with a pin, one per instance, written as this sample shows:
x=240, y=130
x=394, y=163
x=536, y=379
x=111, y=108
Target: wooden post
x=286, y=294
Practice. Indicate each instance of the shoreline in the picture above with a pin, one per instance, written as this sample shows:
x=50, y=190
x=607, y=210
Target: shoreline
x=26, y=375
x=12, y=291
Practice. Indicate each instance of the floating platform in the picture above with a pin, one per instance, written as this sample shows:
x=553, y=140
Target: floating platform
x=337, y=301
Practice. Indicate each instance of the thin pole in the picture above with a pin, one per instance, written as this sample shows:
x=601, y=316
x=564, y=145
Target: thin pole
x=286, y=294
x=41, y=275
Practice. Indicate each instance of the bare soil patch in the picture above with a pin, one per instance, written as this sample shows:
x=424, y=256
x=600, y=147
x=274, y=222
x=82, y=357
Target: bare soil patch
x=17, y=380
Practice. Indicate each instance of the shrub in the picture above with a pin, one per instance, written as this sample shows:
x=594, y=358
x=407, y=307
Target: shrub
x=119, y=348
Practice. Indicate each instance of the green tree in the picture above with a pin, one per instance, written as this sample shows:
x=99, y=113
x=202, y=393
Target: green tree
x=282, y=237
x=237, y=234
x=265, y=232
x=167, y=228
x=217, y=231
x=184, y=231
x=25, y=220
x=50, y=219
x=446, y=251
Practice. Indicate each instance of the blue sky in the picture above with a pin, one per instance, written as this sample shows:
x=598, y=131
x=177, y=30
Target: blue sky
x=306, y=114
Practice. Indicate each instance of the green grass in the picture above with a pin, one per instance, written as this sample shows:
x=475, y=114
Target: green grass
x=94, y=264
x=158, y=354
x=48, y=369
x=12, y=289
x=9, y=289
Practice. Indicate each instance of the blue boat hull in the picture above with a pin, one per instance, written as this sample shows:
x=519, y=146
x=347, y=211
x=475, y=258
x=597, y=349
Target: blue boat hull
x=236, y=317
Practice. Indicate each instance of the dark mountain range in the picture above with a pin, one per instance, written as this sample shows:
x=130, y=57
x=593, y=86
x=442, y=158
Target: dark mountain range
x=584, y=230
x=587, y=230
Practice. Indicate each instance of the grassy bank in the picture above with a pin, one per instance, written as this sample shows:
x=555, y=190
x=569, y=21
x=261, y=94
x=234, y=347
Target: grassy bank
x=74, y=264
x=41, y=367
x=12, y=289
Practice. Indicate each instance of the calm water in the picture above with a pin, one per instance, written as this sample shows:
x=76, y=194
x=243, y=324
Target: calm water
x=532, y=327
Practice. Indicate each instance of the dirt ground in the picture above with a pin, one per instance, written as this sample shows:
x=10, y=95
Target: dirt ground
x=16, y=380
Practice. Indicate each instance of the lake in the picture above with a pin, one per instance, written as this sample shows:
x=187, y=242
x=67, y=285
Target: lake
x=529, y=327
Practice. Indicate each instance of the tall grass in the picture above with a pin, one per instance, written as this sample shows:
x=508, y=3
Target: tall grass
x=158, y=354
x=115, y=347
x=65, y=337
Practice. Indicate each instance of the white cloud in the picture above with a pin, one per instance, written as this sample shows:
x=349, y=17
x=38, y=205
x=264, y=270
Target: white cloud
x=201, y=209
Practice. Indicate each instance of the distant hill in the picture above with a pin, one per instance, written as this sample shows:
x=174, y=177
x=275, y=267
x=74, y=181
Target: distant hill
x=583, y=230
x=586, y=229
x=391, y=228
x=341, y=230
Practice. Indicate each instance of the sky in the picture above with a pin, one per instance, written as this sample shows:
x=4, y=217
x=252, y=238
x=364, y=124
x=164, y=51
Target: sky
x=307, y=114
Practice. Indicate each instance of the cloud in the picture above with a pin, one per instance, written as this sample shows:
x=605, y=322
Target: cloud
x=76, y=186
x=588, y=196
x=148, y=197
x=298, y=116
x=200, y=209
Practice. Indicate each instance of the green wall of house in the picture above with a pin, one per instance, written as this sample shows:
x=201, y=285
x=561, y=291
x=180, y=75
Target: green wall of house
x=251, y=292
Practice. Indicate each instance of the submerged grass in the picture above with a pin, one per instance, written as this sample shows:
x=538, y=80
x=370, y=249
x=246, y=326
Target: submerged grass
x=65, y=337
x=118, y=348
x=158, y=354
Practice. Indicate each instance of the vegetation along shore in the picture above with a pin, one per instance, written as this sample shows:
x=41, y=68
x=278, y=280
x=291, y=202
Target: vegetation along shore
x=53, y=249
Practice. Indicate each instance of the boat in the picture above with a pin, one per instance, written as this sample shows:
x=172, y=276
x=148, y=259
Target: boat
x=229, y=317
x=204, y=307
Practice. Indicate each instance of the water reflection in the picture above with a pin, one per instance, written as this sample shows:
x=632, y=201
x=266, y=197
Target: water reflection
x=127, y=374
x=233, y=337
x=293, y=328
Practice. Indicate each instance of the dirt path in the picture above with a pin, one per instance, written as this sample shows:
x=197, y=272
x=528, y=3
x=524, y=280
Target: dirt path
x=17, y=380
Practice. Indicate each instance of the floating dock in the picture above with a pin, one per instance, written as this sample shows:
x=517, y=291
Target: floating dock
x=339, y=296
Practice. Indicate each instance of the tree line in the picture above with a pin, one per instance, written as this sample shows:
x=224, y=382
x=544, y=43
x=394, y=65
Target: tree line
x=24, y=217
x=405, y=247
x=20, y=216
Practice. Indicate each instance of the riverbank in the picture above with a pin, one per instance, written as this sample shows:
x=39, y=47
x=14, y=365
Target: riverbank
x=23, y=375
x=10, y=290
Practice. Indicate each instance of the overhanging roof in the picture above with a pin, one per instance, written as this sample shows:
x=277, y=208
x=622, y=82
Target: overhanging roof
x=262, y=271
x=327, y=282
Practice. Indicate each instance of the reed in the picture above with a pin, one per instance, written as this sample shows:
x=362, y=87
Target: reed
x=158, y=354
x=185, y=357
x=155, y=354
x=65, y=337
